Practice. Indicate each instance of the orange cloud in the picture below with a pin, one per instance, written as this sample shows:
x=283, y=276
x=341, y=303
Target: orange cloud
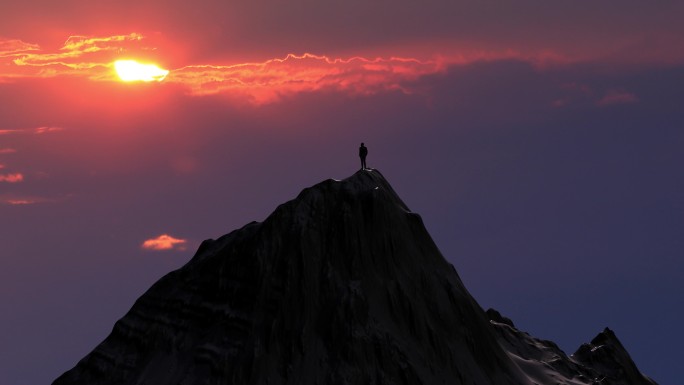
x=20, y=202
x=261, y=82
x=268, y=81
x=85, y=56
x=257, y=82
x=25, y=200
x=164, y=242
x=15, y=47
x=613, y=97
x=44, y=130
x=7, y=151
x=37, y=130
x=12, y=178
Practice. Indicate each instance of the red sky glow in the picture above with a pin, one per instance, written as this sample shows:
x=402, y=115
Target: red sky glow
x=541, y=141
x=94, y=57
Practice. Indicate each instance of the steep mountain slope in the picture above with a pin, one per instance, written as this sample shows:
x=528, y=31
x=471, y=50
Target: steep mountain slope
x=342, y=285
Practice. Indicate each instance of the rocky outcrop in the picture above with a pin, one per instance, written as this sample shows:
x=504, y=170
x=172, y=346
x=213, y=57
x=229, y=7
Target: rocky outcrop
x=607, y=357
x=602, y=362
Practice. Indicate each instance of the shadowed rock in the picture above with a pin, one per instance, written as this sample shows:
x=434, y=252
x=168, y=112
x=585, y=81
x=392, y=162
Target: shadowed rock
x=602, y=362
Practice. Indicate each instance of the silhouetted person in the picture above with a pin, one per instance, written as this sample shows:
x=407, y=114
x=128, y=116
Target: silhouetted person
x=363, y=151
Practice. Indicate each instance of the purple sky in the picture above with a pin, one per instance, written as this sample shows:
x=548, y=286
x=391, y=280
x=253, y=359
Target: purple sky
x=540, y=141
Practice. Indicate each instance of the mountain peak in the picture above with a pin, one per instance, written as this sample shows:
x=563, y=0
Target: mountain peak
x=606, y=354
x=367, y=181
x=607, y=336
x=340, y=285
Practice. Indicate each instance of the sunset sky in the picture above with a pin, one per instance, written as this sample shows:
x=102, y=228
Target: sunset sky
x=541, y=141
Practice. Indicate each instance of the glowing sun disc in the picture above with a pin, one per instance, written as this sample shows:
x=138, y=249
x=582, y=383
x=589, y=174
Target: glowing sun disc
x=131, y=71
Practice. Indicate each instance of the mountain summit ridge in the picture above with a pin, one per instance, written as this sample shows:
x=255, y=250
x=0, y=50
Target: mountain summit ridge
x=341, y=285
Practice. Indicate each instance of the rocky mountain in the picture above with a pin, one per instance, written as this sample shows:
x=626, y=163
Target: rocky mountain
x=604, y=361
x=341, y=285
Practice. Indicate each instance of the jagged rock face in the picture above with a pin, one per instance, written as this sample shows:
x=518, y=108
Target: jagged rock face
x=603, y=362
x=342, y=285
x=606, y=355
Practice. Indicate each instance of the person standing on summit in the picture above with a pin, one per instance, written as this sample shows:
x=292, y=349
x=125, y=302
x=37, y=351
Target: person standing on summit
x=363, y=151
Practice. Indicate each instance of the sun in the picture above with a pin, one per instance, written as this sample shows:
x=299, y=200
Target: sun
x=131, y=71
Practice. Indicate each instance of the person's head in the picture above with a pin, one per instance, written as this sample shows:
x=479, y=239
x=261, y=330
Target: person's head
x=361, y=144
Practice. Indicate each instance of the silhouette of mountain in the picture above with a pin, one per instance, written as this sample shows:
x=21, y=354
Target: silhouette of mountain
x=341, y=285
x=604, y=361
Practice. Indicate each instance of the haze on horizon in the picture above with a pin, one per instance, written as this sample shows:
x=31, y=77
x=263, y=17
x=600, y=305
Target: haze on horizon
x=540, y=141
